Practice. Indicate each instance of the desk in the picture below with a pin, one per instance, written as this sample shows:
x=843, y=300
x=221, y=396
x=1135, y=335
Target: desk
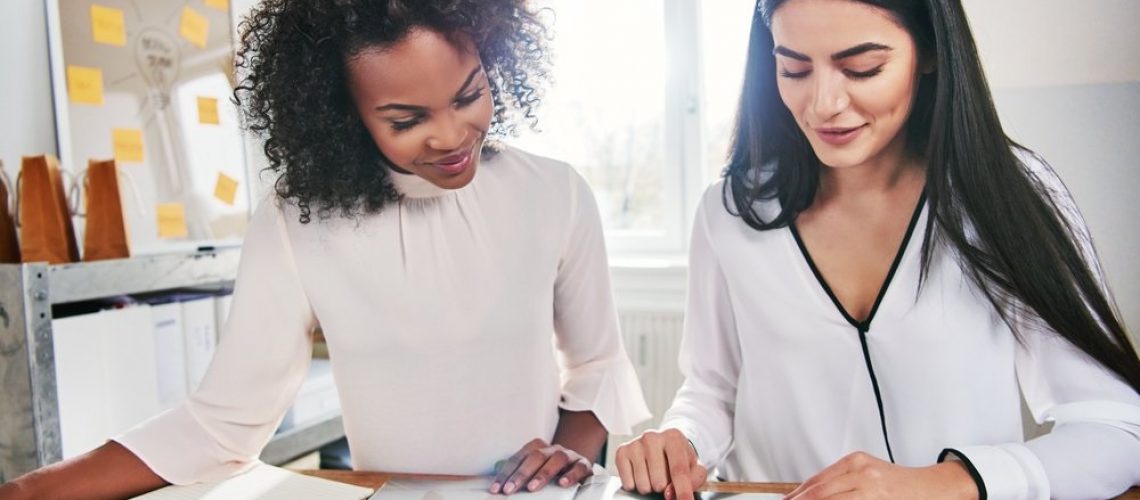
x=375, y=480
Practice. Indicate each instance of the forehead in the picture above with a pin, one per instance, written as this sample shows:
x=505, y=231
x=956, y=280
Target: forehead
x=826, y=26
x=423, y=67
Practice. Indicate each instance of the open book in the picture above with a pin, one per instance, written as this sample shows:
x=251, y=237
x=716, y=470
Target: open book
x=263, y=482
x=598, y=487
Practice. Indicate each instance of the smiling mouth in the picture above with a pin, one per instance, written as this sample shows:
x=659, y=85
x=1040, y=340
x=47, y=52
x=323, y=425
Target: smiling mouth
x=456, y=162
x=838, y=136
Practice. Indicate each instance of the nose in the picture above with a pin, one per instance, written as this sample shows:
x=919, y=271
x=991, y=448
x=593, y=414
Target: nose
x=450, y=133
x=829, y=95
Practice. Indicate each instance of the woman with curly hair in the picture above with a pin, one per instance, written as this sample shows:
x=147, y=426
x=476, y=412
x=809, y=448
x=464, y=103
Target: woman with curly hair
x=440, y=264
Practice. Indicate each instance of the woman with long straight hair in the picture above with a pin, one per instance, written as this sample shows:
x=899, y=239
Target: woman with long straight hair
x=879, y=275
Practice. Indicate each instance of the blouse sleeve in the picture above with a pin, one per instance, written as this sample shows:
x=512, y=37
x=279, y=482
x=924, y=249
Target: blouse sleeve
x=596, y=372
x=704, y=407
x=1093, y=450
x=260, y=363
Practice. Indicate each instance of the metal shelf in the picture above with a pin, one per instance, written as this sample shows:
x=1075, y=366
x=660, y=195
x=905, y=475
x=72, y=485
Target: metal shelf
x=108, y=278
x=303, y=439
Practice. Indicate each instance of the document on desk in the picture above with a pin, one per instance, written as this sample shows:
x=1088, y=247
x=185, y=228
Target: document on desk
x=598, y=487
x=262, y=482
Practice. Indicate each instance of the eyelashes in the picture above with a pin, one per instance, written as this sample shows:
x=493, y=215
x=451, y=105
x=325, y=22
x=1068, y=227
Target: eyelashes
x=855, y=75
x=460, y=103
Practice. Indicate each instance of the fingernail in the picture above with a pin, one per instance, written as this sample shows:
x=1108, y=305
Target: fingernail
x=495, y=487
x=509, y=488
x=533, y=485
x=564, y=481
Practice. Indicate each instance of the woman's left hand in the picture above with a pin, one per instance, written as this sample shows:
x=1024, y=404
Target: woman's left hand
x=537, y=464
x=863, y=476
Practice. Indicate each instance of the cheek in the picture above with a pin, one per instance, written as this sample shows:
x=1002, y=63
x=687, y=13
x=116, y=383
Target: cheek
x=792, y=95
x=481, y=113
x=397, y=148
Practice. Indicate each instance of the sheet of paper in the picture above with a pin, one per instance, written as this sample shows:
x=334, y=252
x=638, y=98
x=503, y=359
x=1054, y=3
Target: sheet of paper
x=132, y=372
x=85, y=85
x=107, y=26
x=127, y=145
x=262, y=482
x=81, y=382
x=468, y=489
x=208, y=111
x=194, y=27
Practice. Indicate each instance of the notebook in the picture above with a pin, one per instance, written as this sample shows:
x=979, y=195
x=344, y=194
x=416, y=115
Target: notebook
x=263, y=482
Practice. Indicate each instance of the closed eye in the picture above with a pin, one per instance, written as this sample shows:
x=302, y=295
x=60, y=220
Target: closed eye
x=466, y=100
x=861, y=75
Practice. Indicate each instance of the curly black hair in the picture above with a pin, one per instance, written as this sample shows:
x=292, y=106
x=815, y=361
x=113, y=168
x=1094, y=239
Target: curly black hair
x=294, y=91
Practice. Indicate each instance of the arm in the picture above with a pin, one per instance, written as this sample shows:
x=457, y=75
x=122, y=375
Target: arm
x=1094, y=447
x=109, y=471
x=580, y=431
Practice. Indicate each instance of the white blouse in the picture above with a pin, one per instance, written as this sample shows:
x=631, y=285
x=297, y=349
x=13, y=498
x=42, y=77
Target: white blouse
x=777, y=386
x=458, y=323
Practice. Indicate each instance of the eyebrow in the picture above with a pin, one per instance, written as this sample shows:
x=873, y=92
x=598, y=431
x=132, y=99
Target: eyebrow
x=412, y=107
x=843, y=54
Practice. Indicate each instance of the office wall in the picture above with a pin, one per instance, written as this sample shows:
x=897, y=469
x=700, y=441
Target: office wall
x=1066, y=79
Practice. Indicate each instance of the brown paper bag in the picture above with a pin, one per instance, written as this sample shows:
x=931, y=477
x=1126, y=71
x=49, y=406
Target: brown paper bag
x=106, y=233
x=46, y=234
x=9, y=244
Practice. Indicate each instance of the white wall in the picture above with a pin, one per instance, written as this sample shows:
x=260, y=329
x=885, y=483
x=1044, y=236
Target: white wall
x=1066, y=79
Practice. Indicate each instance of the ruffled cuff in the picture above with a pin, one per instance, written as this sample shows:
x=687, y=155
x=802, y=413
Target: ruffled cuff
x=177, y=448
x=1003, y=472
x=610, y=390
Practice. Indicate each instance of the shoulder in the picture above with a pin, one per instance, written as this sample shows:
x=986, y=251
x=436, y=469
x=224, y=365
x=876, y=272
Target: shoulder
x=523, y=165
x=538, y=179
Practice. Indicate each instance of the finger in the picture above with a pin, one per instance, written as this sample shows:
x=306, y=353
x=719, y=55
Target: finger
x=506, y=469
x=534, y=459
x=575, y=473
x=554, y=464
x=838, y=468
x=698, y=475
x=658, y=468
x=625, y=471
x=829, y=488
x=641, y=476
x=679, y=460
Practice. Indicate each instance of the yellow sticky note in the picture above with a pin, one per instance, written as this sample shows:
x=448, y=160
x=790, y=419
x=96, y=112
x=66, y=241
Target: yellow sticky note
x=128, y=145
x=107, y=26
x=226, y=189
x=194, y=27
x=85, y=85
x=222, y=5
x=207, y=110
x=172, y=220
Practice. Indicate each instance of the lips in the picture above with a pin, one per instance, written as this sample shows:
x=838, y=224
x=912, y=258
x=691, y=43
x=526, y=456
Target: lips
x=455, y=163
x=838, y=136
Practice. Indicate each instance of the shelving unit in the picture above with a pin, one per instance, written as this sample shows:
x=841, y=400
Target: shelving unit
x=29, y=406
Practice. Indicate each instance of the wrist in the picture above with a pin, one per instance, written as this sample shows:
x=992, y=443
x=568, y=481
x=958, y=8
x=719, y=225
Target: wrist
x=957, y=480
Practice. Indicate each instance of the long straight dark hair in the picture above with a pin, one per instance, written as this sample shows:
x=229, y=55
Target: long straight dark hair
x=1009, y=234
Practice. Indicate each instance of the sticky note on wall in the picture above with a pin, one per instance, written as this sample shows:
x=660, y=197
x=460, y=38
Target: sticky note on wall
x=207, y=110
x=85, y=85
x=107, y=26
x=171, y=220
x=194, y=27
x=127, y=145
x=226, y=188
x=222, y=5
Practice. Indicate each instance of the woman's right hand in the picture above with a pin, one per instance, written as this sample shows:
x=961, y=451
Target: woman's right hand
x=661, y=462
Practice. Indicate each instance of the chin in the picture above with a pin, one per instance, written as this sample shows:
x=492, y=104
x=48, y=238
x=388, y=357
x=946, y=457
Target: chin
x=456, y=181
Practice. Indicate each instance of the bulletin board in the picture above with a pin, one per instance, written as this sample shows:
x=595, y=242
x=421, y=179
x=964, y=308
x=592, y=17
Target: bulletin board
x=149, y=83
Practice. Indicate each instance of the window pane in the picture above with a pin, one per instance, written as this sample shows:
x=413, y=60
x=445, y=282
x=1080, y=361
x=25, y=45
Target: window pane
x=605, y=112
x=724, y=46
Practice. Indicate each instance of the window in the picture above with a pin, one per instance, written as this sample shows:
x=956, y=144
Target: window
x=627, y=109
